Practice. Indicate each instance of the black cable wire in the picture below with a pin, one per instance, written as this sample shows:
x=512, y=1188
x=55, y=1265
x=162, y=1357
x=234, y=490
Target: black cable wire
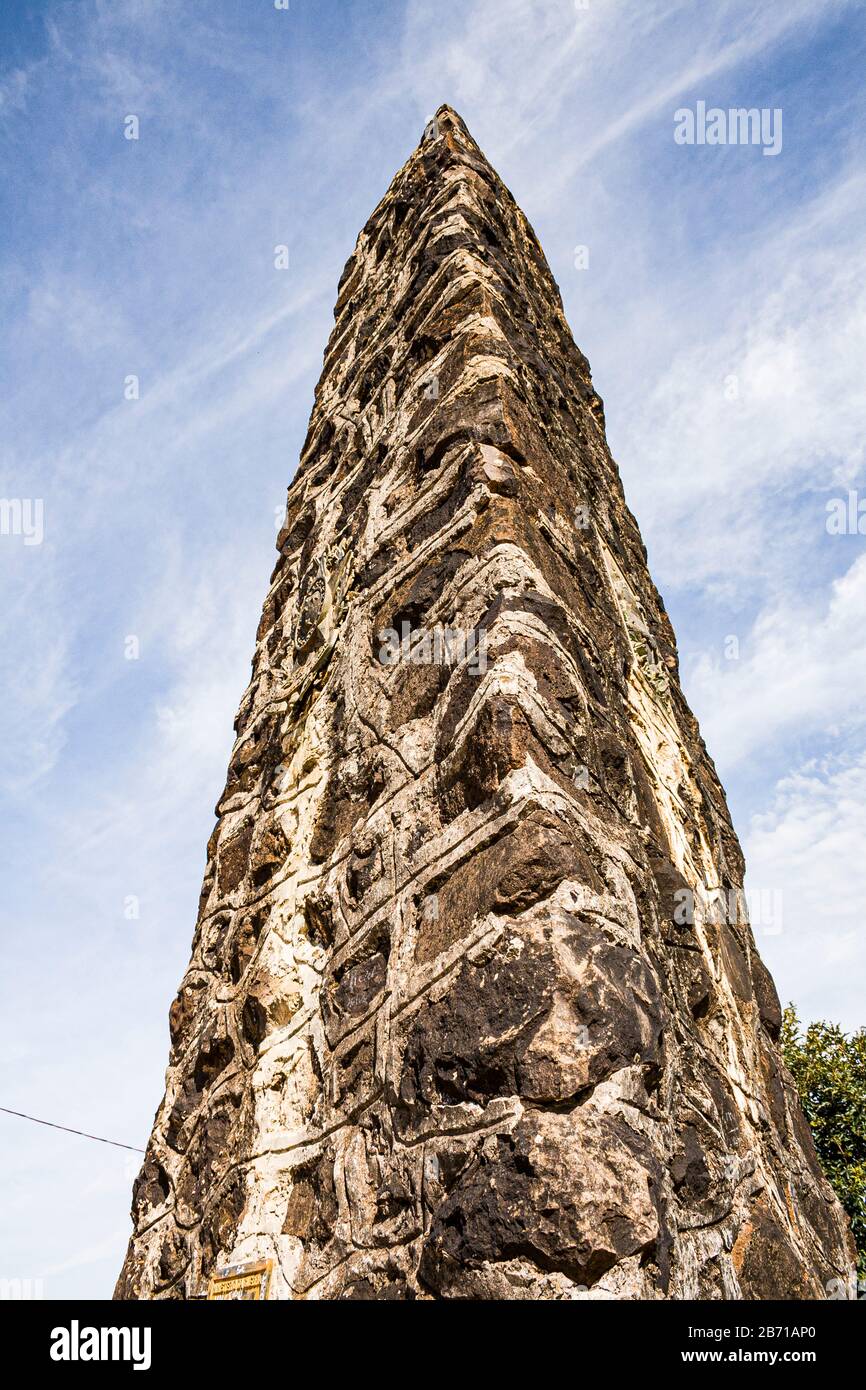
x=83, y=1134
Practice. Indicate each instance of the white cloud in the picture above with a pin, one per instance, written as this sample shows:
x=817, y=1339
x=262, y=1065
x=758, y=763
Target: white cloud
x=39, y=688
x=60, y=306
x=14, y=89
x=801, y=671
x=811, y=844
x=764, y=409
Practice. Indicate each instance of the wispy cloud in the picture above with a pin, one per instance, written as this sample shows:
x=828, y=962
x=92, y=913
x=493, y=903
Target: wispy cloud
x=810, y=843
x=787, y=676
x=764, y=412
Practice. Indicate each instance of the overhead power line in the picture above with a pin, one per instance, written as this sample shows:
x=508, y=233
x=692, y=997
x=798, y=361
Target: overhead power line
x=80, y=1132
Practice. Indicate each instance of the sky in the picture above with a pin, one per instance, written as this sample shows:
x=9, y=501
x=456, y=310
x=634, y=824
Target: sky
x=157, y=375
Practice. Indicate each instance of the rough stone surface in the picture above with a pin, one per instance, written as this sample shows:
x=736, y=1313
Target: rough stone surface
x=444, y=1032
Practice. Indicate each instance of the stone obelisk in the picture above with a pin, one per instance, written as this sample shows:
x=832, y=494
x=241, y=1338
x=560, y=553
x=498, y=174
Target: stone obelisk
x=474, y=1009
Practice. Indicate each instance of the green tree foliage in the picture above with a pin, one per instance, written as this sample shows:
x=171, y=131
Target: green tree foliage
x=829, y=1069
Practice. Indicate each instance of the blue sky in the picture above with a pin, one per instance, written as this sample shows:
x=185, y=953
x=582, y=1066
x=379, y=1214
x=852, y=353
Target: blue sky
x=707, y=266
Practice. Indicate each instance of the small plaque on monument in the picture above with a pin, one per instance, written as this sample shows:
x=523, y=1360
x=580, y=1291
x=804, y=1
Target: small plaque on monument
x=244, y=1281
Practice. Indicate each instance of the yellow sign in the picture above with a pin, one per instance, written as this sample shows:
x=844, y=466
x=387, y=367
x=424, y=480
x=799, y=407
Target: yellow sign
x=241, y=1281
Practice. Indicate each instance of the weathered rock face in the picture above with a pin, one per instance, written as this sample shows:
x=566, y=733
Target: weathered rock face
x=451, y=1027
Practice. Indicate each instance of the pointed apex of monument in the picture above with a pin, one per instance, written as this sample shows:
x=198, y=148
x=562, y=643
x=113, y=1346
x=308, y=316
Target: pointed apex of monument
x=447, y=113
x=448, y=122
